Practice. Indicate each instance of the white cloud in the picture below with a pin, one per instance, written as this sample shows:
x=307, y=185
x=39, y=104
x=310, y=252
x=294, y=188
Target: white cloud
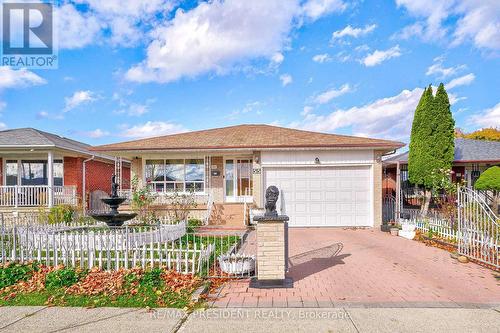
x=216, y=37
x=307, y=110
x=330, y=94
x=349, y=31
x=461, y=81
x=377, y=57
x=95, y=134
x=278, y=58
x=314, y=9
x=120, y=22
x=286, y=79
x=321, y=58
x=75, y=30
x=250, y=107
x=21, y=78
x=478, y=21
x=440, y=71
x=150, y=129
x=389, y=117
x=78, y=98
x=3, y=126
x=134, y=109
x=487, y=118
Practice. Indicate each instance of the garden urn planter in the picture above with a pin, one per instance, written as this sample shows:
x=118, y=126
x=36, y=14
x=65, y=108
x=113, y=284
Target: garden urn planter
x=237, y=264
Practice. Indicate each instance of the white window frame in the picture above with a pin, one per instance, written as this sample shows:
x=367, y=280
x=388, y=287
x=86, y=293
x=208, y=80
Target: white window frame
x=19, y=162
x=183, y=182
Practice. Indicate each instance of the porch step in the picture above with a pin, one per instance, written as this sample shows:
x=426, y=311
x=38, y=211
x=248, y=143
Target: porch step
x=227, y=215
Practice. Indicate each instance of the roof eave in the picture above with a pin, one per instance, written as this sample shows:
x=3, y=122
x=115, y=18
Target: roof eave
x=283, y=147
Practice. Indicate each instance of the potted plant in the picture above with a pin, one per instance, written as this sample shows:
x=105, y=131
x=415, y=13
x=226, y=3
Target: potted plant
x=394, y=229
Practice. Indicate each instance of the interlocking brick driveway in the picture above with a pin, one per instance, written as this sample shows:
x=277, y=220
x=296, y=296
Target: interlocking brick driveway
x=371, y=268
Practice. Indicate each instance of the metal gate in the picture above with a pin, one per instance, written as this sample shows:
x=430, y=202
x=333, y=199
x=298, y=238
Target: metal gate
x=478, y=228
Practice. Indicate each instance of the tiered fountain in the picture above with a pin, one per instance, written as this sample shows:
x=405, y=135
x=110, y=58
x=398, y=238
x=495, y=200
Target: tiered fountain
x=113, y=218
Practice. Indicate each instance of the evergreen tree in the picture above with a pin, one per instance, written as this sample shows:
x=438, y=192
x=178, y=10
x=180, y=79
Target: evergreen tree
x=419, y=143
x=443, y=142
x=432, y=144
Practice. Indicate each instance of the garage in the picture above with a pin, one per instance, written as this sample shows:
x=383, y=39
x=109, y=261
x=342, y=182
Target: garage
x=313, y=196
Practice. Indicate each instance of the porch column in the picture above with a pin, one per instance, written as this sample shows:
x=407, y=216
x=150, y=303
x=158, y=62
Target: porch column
x=398, y=193
x=50, y=176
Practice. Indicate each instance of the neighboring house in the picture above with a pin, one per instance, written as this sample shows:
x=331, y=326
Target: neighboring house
x=472, y=157
x=41, y=169
x=324, y=179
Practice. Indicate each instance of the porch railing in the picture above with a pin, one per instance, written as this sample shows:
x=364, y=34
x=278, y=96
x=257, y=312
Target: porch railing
x=36, y=195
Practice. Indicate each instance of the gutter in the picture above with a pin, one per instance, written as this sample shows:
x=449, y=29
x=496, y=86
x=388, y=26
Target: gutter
x=84, y=183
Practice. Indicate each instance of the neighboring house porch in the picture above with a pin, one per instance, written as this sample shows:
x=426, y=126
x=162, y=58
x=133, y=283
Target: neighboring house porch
x=42, y=170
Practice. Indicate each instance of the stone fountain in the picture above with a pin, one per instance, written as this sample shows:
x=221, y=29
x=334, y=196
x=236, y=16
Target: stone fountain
x=113, y=218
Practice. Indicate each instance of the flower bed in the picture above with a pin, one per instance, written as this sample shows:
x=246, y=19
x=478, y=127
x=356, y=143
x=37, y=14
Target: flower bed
x=33, y=284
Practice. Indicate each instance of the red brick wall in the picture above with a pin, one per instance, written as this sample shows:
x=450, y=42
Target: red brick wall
x=98, y=175
x=73, y=173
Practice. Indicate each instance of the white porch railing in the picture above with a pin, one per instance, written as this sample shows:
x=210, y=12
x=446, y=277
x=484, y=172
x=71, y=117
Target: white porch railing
x=36, y=195
x=165, y=198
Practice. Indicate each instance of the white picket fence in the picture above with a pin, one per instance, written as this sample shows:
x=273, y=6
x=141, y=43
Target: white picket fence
x=106, y=248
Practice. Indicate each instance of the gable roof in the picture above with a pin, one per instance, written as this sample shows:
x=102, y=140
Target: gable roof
x=248, y=137
x=466, y=150
x=27, y=138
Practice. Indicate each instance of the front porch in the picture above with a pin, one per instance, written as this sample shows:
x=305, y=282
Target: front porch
x=34, y=179
x=221, y=179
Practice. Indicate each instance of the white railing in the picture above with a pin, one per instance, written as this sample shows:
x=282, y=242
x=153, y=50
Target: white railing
x=479, y=228
x=165, y=198
x=35, y=195
x=210, y=204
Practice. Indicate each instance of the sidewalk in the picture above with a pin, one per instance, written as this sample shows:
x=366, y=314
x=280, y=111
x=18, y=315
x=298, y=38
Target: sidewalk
x=45, y=319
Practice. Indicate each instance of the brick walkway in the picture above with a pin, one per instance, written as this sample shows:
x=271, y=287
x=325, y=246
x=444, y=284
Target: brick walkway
x=336, y=267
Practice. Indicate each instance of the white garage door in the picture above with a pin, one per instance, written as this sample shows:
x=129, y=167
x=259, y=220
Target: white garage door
x=323, y=196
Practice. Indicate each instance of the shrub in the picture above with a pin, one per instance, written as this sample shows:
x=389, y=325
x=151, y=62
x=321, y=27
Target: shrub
x=152, y=278
x=61, y=214
x=489, y=179
x=10, y=274
x=64, y=277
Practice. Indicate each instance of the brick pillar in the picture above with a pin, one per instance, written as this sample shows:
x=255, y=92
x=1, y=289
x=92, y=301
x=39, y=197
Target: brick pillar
x=271, y=252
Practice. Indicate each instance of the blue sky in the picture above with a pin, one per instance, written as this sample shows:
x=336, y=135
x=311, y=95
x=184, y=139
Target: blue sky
x=131, y=69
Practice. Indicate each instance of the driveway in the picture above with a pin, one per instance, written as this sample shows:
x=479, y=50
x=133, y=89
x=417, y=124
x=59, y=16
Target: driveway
x=367, y=268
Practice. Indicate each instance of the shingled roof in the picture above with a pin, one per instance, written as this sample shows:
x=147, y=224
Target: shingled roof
x=29, y=138
x=248, y=137
x=466, y=150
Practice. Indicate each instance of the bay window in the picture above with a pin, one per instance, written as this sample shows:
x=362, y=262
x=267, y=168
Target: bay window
x=180, y=175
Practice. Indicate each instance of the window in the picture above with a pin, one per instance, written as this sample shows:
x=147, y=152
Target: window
x=11, y=172
x=179, y=175
x=32, y=172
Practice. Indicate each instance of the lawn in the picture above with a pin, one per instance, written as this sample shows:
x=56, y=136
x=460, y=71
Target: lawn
x=37, y=284
x=32, y=284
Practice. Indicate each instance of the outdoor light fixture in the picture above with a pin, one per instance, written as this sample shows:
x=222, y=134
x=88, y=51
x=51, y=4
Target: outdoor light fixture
x=316, y=160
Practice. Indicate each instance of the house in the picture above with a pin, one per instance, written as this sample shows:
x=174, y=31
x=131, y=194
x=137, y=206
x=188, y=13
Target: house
x=472, y=157
x=324, y=179
x=41, y=169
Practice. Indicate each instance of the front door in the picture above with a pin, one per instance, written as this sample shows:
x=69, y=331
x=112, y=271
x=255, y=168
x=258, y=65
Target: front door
x=238, y=180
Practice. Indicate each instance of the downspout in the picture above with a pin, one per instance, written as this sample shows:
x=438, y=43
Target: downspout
x=84, y=183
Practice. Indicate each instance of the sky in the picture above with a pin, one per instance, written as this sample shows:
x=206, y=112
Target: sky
x=131, y=69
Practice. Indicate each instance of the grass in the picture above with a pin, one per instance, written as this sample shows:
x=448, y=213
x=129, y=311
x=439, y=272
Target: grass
x=147, y=298
x=155, y=287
